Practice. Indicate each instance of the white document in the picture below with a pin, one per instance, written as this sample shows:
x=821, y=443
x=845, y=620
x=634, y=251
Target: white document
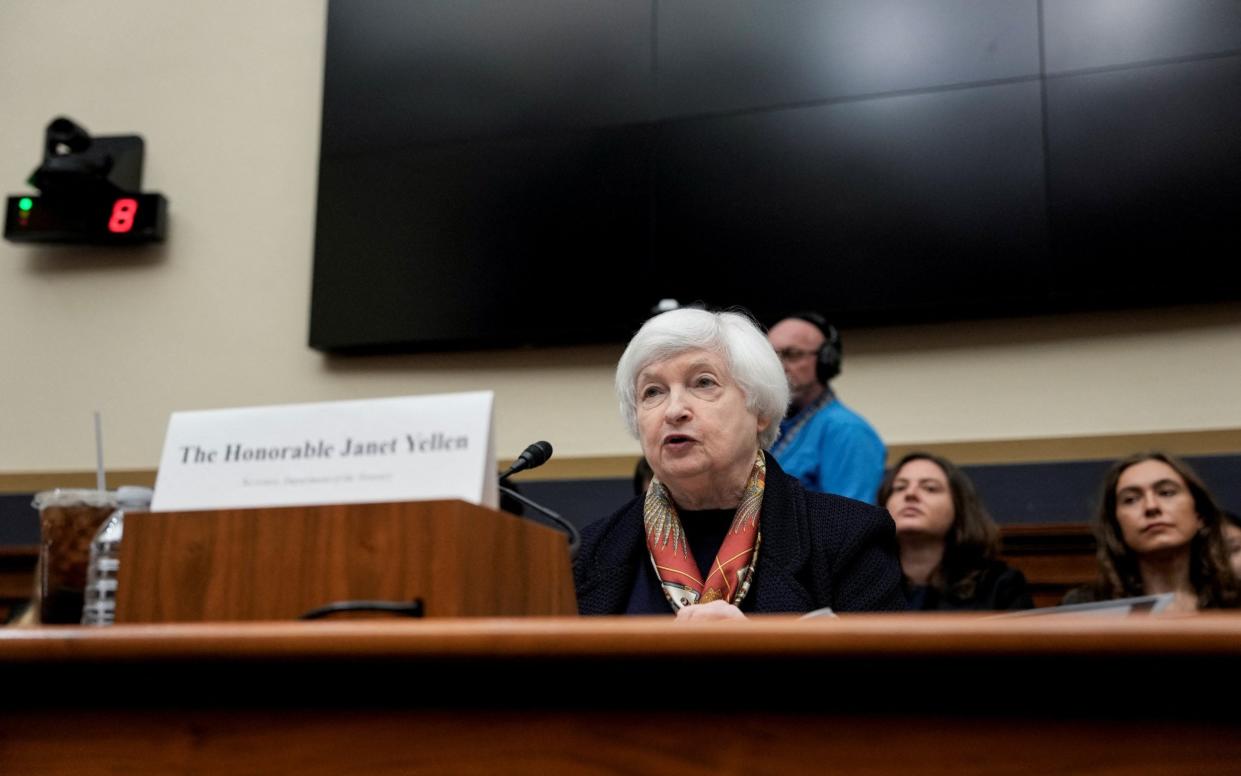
x=400, y=449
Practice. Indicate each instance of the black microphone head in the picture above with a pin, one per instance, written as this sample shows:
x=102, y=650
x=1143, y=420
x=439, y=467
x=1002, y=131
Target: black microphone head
x=534, y=455
x=537, y=454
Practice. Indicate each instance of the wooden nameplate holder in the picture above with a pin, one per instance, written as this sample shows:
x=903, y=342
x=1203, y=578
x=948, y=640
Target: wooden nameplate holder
x=277, y=563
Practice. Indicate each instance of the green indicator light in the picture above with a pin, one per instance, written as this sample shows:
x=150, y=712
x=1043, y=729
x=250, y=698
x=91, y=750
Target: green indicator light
x=24, y=204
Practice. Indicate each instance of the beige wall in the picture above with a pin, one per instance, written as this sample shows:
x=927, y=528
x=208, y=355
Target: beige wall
x=227, y=96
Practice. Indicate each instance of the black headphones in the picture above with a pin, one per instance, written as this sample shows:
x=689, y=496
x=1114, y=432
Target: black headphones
x=827, y=360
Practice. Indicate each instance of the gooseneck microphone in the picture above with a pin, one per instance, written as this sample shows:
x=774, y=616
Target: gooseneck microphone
x=533, y=456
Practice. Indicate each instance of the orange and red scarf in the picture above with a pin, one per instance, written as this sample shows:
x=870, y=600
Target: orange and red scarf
x=733, y=567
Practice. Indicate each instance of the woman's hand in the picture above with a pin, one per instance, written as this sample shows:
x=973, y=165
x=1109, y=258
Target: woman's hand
x=716, y=610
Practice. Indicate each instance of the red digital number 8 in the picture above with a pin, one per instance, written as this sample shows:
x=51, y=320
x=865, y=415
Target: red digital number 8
x=123, y=212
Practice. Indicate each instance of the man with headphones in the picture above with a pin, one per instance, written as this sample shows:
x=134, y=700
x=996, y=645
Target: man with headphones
x=823, y=443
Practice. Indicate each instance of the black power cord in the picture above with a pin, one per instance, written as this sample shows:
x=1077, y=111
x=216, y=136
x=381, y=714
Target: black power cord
x=575, y=538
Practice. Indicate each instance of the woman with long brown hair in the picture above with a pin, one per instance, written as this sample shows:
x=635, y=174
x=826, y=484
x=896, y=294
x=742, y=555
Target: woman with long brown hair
x=1159, y=531
x=949, y=545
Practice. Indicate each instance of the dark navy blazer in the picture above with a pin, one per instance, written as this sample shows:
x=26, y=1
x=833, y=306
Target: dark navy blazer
x=818, y=550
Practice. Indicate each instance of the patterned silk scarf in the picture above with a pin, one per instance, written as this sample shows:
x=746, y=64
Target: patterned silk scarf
x=733, y=567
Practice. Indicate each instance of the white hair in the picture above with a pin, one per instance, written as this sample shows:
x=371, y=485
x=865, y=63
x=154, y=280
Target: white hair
x=751, y=361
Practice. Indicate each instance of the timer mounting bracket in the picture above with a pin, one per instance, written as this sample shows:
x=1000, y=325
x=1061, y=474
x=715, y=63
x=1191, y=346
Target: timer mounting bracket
x=90, y=192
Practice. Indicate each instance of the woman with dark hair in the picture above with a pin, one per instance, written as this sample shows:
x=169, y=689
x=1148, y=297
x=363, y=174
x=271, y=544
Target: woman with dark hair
x=949, y=546
x=1159, y=531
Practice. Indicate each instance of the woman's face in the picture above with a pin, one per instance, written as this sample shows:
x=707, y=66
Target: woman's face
x=921, y=502
x=1232, y=542
x=693, y=422
x=1155, y=509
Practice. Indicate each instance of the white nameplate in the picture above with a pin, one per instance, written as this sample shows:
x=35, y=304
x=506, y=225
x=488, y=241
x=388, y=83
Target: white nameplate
x=402, y=449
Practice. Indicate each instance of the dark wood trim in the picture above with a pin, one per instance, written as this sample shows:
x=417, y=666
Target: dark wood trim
x=33, y=482
x=1054, y=557
x=1084, y=448
x=17, y=570
x=656, y=638
x=1105, y=447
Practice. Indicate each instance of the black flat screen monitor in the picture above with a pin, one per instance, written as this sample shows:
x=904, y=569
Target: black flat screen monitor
x=499, y=174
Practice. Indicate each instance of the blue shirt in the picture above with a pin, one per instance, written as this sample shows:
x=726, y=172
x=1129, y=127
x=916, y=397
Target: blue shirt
x=835, y=451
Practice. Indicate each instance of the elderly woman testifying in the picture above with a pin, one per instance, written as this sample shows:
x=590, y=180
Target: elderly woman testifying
x=1158, y=531
x=722, y=530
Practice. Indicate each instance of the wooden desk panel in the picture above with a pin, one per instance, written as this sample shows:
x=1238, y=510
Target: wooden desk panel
x=540, y=742
x=277, y=563
x=865, y=694
x=1055, y=557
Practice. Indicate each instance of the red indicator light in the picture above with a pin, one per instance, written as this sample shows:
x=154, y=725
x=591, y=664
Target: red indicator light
x=123, y=212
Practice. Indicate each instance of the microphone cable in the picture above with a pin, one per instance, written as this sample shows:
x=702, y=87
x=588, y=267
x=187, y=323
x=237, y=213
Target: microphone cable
x=575, y=537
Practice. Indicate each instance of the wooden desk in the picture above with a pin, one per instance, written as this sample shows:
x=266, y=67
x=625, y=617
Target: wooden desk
x=871, y=694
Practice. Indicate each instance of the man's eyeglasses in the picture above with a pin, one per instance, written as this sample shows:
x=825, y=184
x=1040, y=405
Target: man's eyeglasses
x=794, y=354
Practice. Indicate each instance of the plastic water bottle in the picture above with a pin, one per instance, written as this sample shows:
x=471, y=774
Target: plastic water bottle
x=99, y=607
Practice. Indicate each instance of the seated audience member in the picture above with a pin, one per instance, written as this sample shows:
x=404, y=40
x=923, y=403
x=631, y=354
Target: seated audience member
x=722, y=529
x=1232, y=542
x=949, y=546
x=1159, y=531
x=822, y=442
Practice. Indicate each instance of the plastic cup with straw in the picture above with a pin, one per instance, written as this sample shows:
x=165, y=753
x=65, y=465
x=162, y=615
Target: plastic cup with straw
x=68, y=521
